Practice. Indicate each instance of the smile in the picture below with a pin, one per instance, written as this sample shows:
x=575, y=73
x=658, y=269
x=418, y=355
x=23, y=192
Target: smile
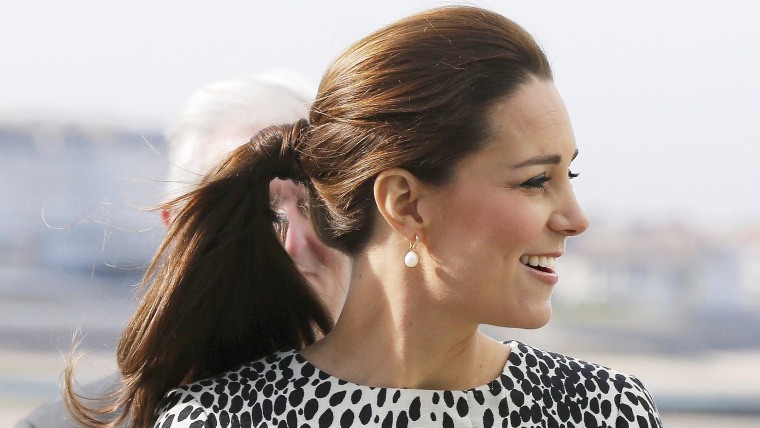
x=541, y=263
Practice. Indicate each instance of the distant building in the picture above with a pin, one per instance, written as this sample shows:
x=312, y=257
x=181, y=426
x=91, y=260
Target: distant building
x=661, y=268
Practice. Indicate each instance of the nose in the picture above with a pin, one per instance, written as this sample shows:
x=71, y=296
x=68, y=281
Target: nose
x=296, y=238
x=569, y=219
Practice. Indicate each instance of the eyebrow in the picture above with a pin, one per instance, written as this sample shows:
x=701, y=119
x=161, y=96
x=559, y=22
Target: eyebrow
x=543, y=160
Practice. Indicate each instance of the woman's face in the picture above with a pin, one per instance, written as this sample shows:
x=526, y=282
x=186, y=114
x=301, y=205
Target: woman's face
x=326, y=269
x=497, y=228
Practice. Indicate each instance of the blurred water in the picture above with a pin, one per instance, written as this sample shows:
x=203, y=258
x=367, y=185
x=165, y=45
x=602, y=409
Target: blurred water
x=75, y=234
x=74, y=239
x=74, y=200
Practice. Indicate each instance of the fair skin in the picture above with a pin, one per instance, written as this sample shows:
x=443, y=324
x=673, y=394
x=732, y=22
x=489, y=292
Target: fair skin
x=507, y=206
x=326, y=269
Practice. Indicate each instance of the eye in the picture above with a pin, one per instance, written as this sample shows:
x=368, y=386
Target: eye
x=572, y=175
x=537, y=182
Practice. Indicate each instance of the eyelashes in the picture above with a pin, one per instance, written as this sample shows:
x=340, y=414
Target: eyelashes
x=539, y=181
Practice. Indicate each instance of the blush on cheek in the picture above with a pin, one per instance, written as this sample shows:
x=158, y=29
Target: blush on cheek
x=511, y=218
x=522, y=224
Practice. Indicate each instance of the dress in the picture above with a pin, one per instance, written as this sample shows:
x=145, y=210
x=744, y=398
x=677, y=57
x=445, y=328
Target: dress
x=536, y=389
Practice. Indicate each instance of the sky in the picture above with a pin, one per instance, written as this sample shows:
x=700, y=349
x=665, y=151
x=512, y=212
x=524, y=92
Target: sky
x=664, y=96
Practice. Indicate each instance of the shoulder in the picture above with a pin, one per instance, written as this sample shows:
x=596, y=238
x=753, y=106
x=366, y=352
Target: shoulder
x=612, y=391
x=527, y=358
x=203, y=400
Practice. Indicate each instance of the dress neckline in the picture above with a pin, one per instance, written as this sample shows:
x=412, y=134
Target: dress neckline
x=513, y=360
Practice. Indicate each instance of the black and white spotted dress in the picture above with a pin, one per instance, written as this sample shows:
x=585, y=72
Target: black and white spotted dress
x=536, y=389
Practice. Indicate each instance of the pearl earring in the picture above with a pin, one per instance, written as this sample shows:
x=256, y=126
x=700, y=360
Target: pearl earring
x=411, y=259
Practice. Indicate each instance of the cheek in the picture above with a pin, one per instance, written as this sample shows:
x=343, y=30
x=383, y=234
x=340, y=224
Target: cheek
x=504, y=221
x=472, y=227
x=519, y=224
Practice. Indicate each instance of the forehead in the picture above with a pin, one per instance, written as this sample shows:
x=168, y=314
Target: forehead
x=532, y=119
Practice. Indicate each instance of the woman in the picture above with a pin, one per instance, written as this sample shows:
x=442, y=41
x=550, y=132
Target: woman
x=437, y=156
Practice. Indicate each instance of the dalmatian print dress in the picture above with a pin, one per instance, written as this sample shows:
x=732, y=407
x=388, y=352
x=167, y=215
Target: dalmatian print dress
x=536, y=389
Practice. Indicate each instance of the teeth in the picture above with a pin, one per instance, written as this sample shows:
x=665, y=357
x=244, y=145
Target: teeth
x=543, y=261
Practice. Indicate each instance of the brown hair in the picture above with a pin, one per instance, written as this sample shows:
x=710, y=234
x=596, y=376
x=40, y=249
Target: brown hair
x=412, y=95
x=222, y=290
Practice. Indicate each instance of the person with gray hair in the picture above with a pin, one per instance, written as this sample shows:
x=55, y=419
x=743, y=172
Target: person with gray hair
x=221, y=117
x=215, y=120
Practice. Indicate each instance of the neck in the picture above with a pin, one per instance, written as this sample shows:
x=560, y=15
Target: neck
x=394, y=332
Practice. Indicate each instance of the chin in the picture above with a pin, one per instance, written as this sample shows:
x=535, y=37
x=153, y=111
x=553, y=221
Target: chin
x=528, y=320
x=538, y=323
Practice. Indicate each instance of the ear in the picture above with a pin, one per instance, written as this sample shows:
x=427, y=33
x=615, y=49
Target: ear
x=166, y=218
x=397, y=194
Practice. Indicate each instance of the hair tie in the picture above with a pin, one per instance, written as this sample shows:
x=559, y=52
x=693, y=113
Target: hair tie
x=290, y=154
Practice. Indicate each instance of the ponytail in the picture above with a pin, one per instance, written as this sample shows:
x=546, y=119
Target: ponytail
x=221, y=289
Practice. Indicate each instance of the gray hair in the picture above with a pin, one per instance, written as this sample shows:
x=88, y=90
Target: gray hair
x=226, y=114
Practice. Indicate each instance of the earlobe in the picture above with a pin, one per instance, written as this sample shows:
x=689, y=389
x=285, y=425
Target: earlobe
x=397, y=194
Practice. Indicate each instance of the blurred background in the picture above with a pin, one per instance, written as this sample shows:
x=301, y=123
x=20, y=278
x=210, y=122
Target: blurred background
x=664, y=99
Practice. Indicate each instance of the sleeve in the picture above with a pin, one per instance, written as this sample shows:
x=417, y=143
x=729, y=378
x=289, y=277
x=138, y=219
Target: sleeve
x=180, y=409
x=636, y=408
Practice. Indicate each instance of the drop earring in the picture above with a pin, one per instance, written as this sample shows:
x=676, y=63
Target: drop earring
x=411, y=259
